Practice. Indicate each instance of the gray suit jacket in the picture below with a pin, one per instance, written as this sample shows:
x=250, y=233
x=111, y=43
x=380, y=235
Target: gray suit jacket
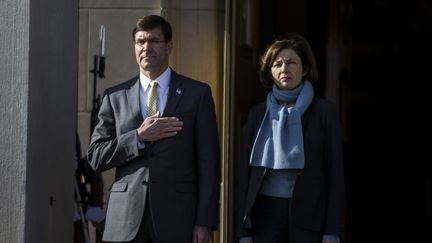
x=181, y=173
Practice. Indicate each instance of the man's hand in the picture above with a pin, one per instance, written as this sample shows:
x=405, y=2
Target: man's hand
x=155, y=127
x=201, y=234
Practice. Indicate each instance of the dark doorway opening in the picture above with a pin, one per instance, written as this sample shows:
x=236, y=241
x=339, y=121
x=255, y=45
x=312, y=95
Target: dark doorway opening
x=389, y=189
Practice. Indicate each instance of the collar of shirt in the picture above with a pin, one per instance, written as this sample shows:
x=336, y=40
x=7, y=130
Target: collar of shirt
x=163, y=81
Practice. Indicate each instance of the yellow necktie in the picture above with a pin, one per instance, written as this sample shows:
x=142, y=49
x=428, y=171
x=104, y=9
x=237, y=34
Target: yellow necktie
x=152, y=99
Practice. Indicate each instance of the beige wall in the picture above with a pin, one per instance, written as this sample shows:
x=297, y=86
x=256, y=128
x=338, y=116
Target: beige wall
x=198, y=27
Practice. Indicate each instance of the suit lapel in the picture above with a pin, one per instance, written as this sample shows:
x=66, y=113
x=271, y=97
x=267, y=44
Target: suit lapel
x=134, y=101
x=175, y=93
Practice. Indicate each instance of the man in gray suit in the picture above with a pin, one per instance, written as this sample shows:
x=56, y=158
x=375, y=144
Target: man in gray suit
x=167, y=180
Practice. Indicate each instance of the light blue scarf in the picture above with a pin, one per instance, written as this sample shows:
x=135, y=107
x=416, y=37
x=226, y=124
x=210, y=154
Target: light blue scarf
x=279, y=143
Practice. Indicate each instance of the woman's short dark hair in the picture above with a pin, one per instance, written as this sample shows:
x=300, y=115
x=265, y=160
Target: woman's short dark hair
x=150, y=22
x=297, y=43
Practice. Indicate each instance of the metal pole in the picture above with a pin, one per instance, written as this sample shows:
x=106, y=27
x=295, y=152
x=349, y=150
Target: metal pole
x=81, y=213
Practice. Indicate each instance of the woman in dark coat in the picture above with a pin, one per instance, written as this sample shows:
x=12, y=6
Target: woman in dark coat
x=290, y=177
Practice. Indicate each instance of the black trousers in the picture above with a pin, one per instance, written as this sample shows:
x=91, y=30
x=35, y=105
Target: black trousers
x=270, y=223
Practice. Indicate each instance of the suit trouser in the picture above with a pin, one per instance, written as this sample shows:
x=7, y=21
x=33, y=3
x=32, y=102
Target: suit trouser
x=270, y=223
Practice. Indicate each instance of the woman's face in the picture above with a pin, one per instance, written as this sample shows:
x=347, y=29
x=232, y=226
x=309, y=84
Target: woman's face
x=287, y=69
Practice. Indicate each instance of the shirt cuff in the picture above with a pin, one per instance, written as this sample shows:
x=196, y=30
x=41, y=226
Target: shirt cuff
x=139, y=144
x=244, y=239
x=334, y=238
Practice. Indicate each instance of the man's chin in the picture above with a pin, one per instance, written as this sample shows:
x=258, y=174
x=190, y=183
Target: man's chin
x=145, y=65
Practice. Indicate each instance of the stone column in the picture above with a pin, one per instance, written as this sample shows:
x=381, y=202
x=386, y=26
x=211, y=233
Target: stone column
x=38, y=56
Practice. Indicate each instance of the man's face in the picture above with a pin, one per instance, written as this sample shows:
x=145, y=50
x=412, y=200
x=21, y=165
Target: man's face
x=152, y=51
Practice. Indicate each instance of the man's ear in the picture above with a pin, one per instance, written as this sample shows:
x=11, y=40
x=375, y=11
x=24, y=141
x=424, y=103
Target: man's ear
x=170, y=46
